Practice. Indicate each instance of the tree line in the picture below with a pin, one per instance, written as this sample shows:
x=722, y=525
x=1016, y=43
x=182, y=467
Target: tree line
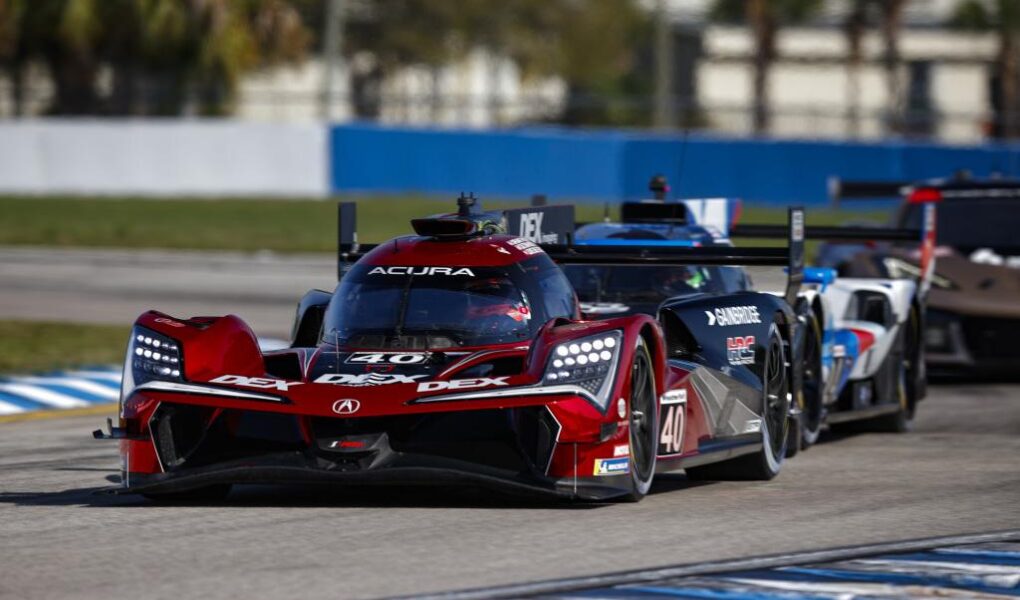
x=169, y=57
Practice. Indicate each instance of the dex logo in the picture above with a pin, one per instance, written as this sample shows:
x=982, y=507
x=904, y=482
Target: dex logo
x=366, y=379
x=346, y=406
x=462, y=384
x=531, y=226
x=256, y=382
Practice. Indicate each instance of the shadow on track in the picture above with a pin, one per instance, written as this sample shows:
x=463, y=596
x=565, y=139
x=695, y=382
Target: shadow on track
x=324, y=496
x=306, y=496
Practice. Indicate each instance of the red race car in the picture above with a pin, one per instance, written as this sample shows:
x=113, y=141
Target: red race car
x=458, y=356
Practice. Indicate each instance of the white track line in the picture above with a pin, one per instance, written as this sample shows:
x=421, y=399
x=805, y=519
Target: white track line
x=42, y=395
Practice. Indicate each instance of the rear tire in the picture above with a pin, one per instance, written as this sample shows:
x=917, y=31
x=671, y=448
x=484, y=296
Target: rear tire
x=811, y=404
x=765, y=463
x=644, y=417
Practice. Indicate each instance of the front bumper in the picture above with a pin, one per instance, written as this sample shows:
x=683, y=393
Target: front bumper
x=416, y=471
x=513, y=450
x=961, y=343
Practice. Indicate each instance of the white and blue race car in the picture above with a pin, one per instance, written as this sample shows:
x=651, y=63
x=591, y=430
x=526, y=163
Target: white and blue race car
x=861, y=359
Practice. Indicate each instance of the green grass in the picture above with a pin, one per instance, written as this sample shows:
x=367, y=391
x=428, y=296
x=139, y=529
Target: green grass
x=298, y=225
x=33, y=346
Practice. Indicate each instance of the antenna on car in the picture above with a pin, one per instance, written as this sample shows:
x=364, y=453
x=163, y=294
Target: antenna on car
x=659, y=187
x=466, y=205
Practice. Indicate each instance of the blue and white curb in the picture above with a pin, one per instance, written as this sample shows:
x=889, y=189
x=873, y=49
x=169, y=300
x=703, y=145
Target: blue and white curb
x=79, y=388
x=980, y=565
x=987, y=571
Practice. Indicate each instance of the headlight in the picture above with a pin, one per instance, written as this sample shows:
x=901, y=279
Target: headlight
x=901, y=269
x=150, y=356
x=587, y=363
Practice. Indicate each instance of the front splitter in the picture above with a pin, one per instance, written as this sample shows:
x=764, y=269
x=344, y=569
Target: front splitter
x=287, y=470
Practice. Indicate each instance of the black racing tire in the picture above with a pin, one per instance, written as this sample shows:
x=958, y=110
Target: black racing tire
x=210, y=494
x=644, y=422
x=811, y=398
x=766, y=462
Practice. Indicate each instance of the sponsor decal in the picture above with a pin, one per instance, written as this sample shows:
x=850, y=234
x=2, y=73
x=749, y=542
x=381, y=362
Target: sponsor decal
x=621, y=450
x=452, y=271
x=674, y=422
x=674, y=397
x=752, y=426
x=797, y=222
x=388, y=358
x=462, y=384
x=366, y=379
x=531, y=228
x=525, y=246
x=256, y=382
x=612, y=466
x=169, y=322
x=346, y=406
x=603, y=308
x=740, y=350
x=733, y=315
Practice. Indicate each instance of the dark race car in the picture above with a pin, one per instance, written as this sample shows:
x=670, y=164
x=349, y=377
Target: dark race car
x=458, y=356
x=613, y=289
x=973, y=313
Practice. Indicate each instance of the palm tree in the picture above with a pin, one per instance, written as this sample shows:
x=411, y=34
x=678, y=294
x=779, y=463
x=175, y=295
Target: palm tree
x=764, y=18
x=892, y=23
x=854, y=26
x=1003, y=17
x=160, y=51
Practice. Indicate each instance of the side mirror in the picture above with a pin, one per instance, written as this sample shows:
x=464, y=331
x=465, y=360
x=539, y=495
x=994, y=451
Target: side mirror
x=823, y=276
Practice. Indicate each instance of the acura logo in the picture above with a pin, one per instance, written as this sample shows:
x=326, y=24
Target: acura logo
x=347, y=406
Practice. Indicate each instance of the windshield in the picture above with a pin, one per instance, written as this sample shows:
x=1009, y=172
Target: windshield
x=652, y=283
x=440, y=307
x=973, y=223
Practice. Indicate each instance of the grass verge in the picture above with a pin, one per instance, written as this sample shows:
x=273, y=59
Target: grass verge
x=34, y=346
x=299, y=225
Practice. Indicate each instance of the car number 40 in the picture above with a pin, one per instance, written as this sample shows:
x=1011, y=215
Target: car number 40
x=671, y=437
x=388, y=358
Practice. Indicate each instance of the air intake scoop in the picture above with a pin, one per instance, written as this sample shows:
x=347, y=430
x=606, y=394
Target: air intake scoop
x=468, y=221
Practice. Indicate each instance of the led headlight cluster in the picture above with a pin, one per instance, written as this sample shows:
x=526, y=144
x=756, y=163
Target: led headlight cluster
x=150, y=356
x=587, y=363
x=155, y=355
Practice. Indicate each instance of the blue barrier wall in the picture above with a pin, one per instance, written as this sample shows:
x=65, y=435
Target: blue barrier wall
x=612, y=165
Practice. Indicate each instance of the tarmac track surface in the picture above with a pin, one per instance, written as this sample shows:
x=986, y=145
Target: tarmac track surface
x=958, y=473
x=115, y=286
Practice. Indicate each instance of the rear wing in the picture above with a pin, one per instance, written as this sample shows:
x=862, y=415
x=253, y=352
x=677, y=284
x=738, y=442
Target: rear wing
x=925, y=237
x=840, y=189
x=791, y=257
x=545, y=224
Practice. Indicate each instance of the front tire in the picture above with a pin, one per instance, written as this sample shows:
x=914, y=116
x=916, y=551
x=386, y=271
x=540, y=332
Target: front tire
x=644, y=417
x=765, y=463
